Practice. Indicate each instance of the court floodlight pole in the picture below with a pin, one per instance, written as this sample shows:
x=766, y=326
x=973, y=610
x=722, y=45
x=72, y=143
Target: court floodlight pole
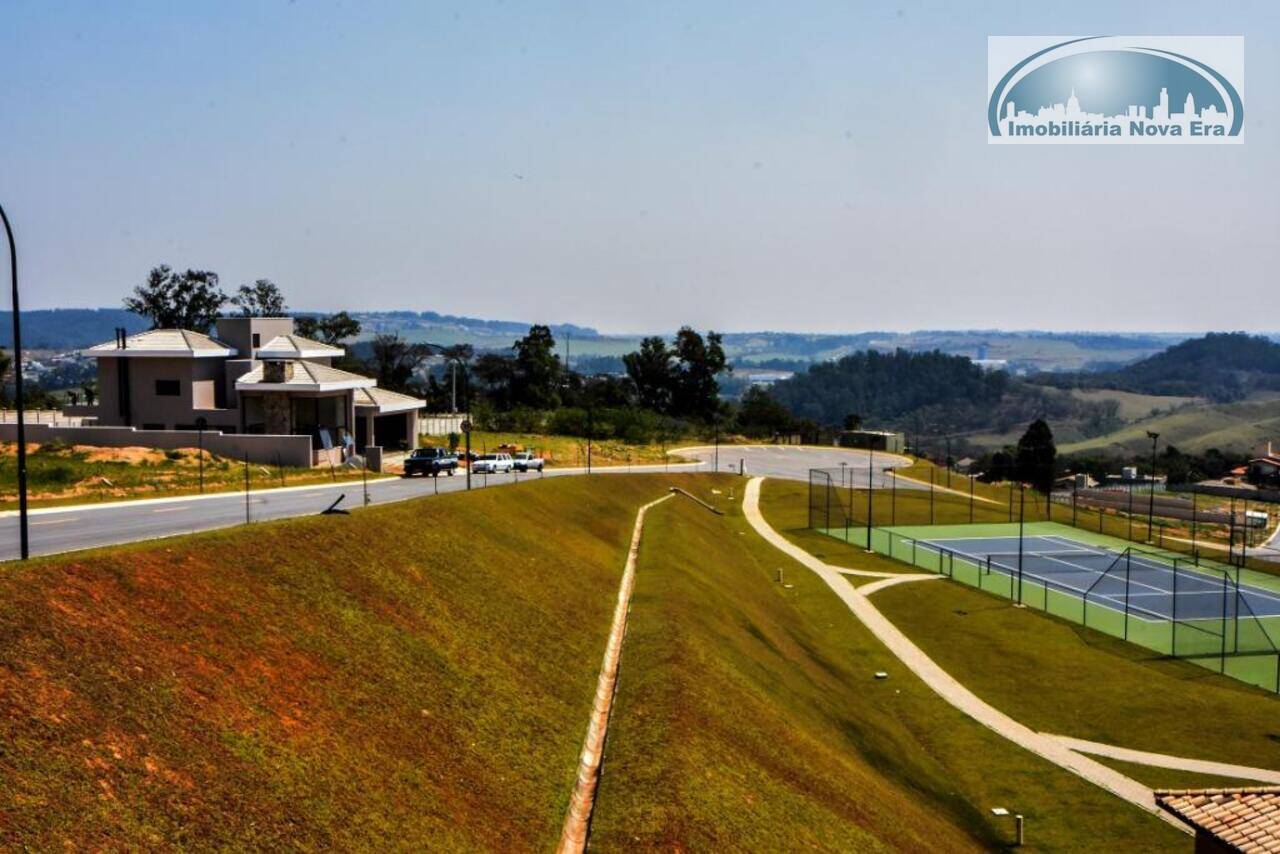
x=931, y=469
x=23, y=543
x=1151, y=502
x=893, y=496
x=1131, y=511
x=1022, y=507
x=1195, y=552
x=871, y=475
x=971, y=496
x=948, y=461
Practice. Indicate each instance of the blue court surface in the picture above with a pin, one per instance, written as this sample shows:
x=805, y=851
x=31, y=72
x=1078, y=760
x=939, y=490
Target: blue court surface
x=1072, y=567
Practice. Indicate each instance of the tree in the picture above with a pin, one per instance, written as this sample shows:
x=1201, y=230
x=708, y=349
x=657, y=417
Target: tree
x=696, y=393
x=538, y=370
x=1036, y=456
x=261, y=299
x=395, y=362
x=90, y=394
x=497, y=375
x=653, y=373
x=331, y=329
x=760, y=416
x=190, y=300
x=853, y=421
x=6, y=363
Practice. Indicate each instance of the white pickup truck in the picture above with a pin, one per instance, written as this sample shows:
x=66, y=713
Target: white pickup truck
x=526, y=461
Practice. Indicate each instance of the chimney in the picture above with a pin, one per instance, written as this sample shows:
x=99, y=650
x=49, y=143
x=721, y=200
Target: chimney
x=277, y=371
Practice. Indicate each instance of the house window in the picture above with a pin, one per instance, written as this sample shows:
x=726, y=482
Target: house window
x=257, y=340
x=168, y=388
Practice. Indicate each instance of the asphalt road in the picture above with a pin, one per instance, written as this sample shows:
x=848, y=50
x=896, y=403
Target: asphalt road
x=61, y=529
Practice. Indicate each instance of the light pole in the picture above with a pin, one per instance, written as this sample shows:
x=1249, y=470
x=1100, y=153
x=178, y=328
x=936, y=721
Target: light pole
x=1151, y=502
x=201, y=423
x=717, y=427
x=24, y=546
x=871, y=472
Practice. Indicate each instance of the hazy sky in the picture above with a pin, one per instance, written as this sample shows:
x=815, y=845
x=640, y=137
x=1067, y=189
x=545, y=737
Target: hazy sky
x=805, y=166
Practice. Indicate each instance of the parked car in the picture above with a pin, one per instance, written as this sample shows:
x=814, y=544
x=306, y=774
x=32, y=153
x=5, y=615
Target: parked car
x=526, y=461
x=431, y=462
x=493, y=464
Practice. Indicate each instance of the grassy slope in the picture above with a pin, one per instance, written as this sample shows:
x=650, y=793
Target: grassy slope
x=747, y=718
x=290, y=685
x=1059, y=677
x=1238, y=426
x=1133, y=405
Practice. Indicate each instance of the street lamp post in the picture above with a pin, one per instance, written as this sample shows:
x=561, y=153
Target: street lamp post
x=24, y=545
x=201, y=423
x=1151, y=502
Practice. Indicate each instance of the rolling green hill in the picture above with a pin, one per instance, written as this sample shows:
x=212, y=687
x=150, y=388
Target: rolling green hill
x=1222, y=366
x=1196, y=428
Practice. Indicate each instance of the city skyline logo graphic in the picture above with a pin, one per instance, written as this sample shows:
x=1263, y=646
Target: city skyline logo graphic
x=1115, y=89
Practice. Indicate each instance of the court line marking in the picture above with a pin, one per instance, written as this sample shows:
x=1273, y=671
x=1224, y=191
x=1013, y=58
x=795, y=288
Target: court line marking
x=1045, y=582
x=1143, y=562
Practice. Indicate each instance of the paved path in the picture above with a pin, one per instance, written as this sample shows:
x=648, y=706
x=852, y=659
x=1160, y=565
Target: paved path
x=792, y=462
x=1045, y=746
x=1176, y=763
x=62, y=529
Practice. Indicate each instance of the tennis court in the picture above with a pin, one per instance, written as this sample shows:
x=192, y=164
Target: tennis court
x=1140, y=584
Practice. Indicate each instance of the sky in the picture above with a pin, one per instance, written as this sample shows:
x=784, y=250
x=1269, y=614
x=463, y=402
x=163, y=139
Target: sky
x=814, y=167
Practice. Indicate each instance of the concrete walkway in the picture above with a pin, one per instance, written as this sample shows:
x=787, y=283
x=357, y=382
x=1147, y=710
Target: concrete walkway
x=1045, y=746
x=1175, y=763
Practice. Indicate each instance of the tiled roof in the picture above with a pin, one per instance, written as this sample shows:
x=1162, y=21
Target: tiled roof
x=164, y=342
x=308, y=376
x=296, y=347
x=387, y=400
x=1248, y=819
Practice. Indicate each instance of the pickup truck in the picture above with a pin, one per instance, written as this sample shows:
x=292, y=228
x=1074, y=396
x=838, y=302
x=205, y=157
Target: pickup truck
x=525, y=461
x=430, y=461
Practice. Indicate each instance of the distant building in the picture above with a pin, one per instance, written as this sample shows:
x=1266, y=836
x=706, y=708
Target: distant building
x=1264, y=469
x=874, y=440
x=256, y=377
x=767, y=378
x=992, y=364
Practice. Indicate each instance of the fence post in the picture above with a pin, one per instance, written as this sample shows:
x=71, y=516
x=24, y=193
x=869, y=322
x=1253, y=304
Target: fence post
x=970, y=499
x=1075, y=510
x=1173, y=631
x=1222, y=668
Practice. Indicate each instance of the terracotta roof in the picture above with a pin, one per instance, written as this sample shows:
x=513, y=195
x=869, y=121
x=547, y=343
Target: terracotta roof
x=1248, y=819
x=387, y=401
x=160, y=343
x=296, y=347
x=307, y=376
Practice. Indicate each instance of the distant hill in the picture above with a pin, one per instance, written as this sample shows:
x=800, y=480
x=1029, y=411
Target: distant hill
x=68, y=328
x=884, y=387
x=1222, y=366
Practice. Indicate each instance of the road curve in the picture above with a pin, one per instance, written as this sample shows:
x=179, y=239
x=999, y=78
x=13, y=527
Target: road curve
x=53, y=530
